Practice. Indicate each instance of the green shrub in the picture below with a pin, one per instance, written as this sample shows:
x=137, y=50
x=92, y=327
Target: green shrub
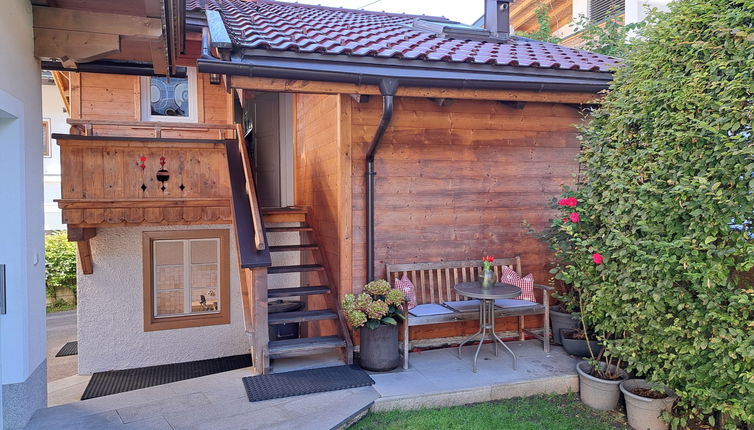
x=667, y=200
x=60, y=263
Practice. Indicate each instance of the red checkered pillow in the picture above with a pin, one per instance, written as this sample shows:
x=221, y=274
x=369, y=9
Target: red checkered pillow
x=526, y=283
x=404, y=284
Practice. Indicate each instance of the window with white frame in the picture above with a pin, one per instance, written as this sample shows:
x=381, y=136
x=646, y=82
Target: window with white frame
x=169, y=99
x=186, y=278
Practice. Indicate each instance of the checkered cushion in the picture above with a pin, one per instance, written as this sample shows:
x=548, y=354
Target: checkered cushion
x=526, y=283
x=404, y=284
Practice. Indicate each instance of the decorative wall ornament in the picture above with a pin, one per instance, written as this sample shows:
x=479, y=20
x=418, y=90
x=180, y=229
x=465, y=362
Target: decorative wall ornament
x=143, y=164
x=163, y=175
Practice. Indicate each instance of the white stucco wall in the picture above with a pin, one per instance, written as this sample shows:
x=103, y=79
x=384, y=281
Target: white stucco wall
x=53, y=110
x=111, y=311
x=22, y=329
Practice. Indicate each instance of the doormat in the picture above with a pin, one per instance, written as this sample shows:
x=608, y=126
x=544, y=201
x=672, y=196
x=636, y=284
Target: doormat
x=299, y=382
x=70, y=348
x=120, y=381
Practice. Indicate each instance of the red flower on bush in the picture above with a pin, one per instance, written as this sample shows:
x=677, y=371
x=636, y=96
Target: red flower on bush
x=597, y=258
x=574, y=217
x=570, y=202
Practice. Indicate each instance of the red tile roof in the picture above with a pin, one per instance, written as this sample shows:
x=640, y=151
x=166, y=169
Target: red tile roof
x=278, y=26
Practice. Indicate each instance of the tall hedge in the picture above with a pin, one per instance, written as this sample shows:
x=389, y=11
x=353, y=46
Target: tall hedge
x=664, y=238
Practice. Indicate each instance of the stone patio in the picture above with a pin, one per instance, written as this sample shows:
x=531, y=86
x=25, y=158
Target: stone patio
x=436, y=378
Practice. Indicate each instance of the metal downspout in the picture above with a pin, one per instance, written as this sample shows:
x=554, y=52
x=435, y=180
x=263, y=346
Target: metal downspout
x=388, y=88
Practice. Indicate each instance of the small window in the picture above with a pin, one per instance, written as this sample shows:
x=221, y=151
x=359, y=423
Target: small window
x=172, y=99
x=186, y=279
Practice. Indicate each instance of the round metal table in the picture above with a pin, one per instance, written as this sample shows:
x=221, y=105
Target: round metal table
x=487, y=297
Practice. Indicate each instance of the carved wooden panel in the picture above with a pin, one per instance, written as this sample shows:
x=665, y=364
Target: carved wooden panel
x=120, y=181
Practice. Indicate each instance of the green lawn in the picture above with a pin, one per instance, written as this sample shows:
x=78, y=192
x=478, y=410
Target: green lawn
x=531, y=413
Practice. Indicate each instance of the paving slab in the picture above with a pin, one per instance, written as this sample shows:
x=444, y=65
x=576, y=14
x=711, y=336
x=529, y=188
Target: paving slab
x=437, y=378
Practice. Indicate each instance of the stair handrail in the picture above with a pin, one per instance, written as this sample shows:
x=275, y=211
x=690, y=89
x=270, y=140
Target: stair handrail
x=256, y=215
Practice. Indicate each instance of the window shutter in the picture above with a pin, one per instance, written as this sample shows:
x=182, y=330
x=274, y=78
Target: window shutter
x=599, y=10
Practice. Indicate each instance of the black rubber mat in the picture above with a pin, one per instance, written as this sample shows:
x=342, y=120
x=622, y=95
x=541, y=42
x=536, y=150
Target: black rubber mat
x=296, y=383
x=119, y=381
x=70, y=348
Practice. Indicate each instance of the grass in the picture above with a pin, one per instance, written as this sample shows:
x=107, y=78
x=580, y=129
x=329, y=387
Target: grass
x=60, y=306
x=559, y=412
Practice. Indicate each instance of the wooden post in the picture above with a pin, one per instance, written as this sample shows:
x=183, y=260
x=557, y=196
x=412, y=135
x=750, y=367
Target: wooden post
x=81, y=236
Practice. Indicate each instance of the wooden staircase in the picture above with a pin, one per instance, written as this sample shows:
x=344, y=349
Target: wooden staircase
x=322, y=324
x=315, y=289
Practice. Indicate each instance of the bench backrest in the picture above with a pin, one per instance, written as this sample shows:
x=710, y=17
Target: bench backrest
x=434, y=282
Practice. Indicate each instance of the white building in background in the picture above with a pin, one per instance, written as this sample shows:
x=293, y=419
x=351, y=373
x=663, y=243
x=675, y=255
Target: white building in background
x=23, y=367
x=54, y=118
x=565, y=14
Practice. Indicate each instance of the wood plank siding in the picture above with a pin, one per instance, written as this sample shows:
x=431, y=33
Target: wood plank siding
x=319, y=185
x=102, y=183
x=117, y=98
x=457, y=182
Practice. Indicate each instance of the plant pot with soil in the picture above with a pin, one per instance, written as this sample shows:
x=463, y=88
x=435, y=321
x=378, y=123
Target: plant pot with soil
x=575, y=342
x=376, y=312
x=645, y=404
x=598, y=384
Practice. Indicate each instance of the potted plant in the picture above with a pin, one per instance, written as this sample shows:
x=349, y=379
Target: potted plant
x=376, y=312
x=599, y=380
x=566, y=314
x=646, y=402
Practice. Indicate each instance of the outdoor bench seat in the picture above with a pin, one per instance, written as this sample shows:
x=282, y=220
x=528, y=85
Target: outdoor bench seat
x=433, y=285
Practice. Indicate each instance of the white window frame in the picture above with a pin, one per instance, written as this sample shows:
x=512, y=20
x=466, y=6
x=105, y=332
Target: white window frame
x=146, y=101
x=187, y=281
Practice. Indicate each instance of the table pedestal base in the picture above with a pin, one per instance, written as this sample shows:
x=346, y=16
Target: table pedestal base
x=486, y=323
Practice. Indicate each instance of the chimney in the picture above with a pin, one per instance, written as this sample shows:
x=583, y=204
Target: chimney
x=497, y=17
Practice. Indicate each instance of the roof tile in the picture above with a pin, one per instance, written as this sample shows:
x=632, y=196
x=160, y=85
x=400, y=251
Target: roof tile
x=278, y=26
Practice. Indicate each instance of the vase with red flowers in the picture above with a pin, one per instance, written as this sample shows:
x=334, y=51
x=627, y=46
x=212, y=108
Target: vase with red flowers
x=488, y=276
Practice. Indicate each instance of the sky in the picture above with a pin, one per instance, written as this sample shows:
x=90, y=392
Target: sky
x=466, y=11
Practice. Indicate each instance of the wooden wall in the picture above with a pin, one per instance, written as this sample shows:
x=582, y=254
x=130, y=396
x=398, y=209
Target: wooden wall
x=105, y=97
x=457, y=183
x=102, y=182
x=321, y=182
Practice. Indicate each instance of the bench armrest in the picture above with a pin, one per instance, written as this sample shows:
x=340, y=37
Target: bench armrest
x=544, y=287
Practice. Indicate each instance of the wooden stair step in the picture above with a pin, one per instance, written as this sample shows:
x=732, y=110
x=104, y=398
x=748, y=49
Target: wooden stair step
x=284, y=248
x=286, y=210
x=304, y=345
x=301, y=316
x=287, y=229
x=298, y=291
x=295, y=269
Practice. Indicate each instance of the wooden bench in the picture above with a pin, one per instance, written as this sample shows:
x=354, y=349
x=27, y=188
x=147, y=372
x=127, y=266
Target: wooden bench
x=433, y=284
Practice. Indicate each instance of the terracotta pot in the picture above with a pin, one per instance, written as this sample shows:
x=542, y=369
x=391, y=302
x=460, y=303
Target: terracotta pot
x=644, y=413
x=598, y=393
x=379, y=348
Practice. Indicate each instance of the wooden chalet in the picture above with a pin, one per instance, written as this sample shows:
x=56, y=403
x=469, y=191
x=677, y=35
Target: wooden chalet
x=307, y=147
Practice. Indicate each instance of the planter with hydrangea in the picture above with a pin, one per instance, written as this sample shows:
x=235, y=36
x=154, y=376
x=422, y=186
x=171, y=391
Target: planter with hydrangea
x=376, y=313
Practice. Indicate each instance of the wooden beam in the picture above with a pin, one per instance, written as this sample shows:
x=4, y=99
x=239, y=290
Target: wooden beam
x=63, y=83
x=74, y=45
x=85, y=257
x=159, y=52
x=317, y=87
x=80, y=234
x=96, y=22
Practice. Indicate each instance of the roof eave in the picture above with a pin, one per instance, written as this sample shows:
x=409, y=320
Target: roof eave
x=426, y=74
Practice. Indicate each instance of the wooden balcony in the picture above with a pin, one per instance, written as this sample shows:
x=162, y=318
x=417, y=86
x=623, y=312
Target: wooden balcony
x=117, y=181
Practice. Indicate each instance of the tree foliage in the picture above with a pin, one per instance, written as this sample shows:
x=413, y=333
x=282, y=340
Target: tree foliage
x=543, y=32
x=609, y=37
x=667, y=200
x=60, y=263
